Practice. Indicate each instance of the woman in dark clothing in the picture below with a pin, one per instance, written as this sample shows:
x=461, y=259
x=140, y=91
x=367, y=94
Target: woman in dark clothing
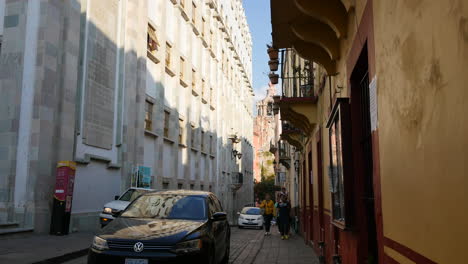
x=284, y=208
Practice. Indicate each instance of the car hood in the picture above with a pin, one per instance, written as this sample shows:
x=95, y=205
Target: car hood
x=250, y=216
x=160, y=231
x=117, y=205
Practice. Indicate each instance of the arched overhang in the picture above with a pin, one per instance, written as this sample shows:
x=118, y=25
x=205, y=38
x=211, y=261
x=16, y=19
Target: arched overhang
x=331, y=12
x=316, y=54
x=318, y=33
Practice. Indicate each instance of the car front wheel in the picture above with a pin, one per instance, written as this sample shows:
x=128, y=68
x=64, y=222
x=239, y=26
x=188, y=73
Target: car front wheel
x=226, y=253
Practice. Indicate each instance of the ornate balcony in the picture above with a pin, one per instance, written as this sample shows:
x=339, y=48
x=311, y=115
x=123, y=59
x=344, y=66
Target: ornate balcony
x=292, y=135
x=312, y=28
x=237, y=180
x=284, y=154
x=298, y=102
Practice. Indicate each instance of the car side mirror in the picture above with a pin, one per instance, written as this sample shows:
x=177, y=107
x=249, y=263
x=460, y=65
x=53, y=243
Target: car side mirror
x=219, y=216
x=116, y=197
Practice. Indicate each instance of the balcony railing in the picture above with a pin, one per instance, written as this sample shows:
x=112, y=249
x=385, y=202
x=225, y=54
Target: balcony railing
x=288, y=127
x=297, y=76
x=237, y=178
x=284, y=150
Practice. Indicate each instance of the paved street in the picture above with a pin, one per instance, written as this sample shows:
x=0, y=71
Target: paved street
x=251, y=247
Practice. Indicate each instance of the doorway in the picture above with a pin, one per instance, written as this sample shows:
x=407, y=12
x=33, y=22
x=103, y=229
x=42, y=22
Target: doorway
x=363, y=156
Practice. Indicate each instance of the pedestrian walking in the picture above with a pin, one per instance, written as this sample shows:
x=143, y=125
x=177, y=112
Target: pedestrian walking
x=284, y=208
x=269, y=207
x=277, y=219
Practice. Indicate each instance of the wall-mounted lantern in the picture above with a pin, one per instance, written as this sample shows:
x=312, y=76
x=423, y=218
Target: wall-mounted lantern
x=237, y=154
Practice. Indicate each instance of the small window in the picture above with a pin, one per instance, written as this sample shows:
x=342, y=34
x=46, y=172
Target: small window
x=192, y=186
x=203, y=26
x=182, y=68
x=180, y=186
x=167, y=117
x=168, y=55
x=270, y=109
x=211, y=96
x=181, y=131
x=148, y=116
x=165, y=185
x=212, y=40
x=192, y=136
x=202, y=187
x=202, y=146
x=194, y=78
x=194, y=12
x=152, y=39
x=203, y=88
x=211, y=145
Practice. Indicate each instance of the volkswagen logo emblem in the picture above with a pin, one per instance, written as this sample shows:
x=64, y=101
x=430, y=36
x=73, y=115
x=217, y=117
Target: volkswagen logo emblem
x=138, y=247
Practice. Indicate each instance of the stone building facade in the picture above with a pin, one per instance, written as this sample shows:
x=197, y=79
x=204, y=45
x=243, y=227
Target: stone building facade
x=120, y=86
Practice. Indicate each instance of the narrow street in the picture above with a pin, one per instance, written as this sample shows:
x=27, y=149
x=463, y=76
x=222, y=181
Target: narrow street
x=251, y=246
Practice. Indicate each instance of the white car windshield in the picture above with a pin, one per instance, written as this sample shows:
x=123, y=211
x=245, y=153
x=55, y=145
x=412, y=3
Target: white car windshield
x=131, y=194
x=251, y=211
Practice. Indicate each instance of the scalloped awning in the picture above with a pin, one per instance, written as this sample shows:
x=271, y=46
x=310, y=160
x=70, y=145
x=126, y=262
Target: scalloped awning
x=300, y=112
x=312, y=27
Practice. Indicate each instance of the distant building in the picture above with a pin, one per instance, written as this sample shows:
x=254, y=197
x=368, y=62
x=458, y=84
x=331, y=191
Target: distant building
x=158, y=88
x=264, y=133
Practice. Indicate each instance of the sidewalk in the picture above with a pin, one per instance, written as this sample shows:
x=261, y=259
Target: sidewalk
x=292, y=251
x=33, y=248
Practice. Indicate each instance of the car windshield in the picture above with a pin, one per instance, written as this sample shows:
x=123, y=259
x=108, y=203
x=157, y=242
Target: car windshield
x=251, y=211
x=131, y=194
x=167, y=206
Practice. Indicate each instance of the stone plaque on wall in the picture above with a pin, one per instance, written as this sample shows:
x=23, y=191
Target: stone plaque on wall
x=101, y=69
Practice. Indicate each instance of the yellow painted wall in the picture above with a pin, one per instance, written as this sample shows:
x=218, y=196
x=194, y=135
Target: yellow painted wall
x=422, y=71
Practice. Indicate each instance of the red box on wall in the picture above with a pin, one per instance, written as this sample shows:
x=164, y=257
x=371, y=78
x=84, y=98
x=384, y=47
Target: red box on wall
x=63, y=197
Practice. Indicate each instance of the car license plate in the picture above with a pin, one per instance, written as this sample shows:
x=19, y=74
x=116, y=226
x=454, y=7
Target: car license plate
x=136, y=261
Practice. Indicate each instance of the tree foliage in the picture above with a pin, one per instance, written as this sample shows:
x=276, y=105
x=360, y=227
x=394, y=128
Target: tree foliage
x=267, y=185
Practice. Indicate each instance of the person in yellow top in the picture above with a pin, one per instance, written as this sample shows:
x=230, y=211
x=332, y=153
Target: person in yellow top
x=268, y=207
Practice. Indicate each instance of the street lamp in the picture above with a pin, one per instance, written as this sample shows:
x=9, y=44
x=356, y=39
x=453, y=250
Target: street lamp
x=237, y=154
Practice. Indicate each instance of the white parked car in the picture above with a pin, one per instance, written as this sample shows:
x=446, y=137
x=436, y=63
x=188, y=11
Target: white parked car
x=120, y=203
x=250, y=217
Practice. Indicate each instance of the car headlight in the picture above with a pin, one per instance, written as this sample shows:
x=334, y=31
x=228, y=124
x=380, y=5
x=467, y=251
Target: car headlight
x=188, y=246
x=107, y=210
x=99, y=243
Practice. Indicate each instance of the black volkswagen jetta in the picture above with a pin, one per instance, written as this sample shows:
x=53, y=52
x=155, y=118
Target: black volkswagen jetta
x=166, y=227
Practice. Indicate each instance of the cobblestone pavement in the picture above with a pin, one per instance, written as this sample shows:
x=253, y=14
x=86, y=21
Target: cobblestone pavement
x=252, y=247
x=292, y=251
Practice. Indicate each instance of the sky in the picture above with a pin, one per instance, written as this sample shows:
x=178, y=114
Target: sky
x=258, y=18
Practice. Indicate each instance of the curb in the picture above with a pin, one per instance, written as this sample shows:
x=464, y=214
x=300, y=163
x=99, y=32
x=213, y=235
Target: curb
x=64, y=258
